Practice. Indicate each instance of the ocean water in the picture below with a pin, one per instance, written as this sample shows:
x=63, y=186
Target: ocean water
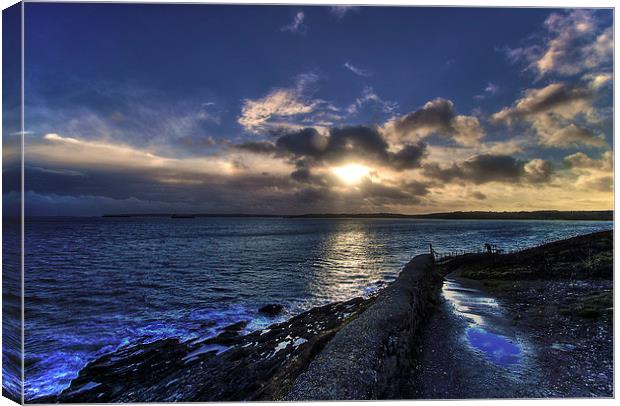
x=11, y=309
x=95, y=284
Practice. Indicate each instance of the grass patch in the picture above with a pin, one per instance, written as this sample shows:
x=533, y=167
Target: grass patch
x=590, y=306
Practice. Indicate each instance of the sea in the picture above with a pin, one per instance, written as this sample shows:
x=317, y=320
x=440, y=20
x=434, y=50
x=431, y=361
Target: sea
x=93, y=285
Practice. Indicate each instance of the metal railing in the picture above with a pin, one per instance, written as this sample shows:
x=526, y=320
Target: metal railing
x=490, y=249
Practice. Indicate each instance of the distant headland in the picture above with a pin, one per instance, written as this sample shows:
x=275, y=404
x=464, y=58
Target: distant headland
x=601, y=215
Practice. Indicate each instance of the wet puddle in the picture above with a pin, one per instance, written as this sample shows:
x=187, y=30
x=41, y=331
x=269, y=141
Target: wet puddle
x=485, y=324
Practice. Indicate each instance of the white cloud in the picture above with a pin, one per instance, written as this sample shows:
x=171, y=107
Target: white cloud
x=256, y=114
x=358, y=71
x=447, y=65
x=467, y=130
x=341, y=11
x=575, y=43
x=579, y=160
x=370, y=97
x=297, y=25
x=598, y=80
x=288, y=108
x=561, y=115
x=592, y=174
x=538, y=170
x=209, y=113
x=78, y=154
x=570, y=135
x=489, y=90
x=136, y=117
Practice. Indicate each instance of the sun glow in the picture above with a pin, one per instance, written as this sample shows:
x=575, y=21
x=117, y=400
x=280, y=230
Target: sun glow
x=351, y=174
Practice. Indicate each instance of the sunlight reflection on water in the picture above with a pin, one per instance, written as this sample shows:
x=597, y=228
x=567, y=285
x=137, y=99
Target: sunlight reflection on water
x=349, y=263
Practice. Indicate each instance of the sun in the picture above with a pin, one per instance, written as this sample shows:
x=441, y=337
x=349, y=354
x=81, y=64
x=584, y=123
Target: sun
x=351, y=174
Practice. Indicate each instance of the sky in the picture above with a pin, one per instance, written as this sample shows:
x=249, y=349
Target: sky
x=137, y=108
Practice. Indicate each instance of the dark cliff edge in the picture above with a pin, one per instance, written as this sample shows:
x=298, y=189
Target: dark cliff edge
x=358, y=349
x=373, y=357
x=588, y=256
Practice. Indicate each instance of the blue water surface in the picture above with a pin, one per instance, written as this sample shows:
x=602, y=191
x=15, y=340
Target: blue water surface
x=94, y=284
x=496, y=347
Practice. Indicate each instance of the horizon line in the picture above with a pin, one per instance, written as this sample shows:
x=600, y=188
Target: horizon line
x=342, y=214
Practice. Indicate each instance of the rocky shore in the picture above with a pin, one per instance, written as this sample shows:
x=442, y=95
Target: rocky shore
x=229, y=366
x=318, y=353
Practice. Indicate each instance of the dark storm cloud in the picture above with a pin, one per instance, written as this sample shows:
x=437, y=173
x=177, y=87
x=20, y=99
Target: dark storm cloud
x=486, y=168
x=381, y=193
x=548, y=99
x=308, y=148
x=478, y=195
x=417, y=188
x=436, y=115
x=312, y=195
x=368, y=194
x=97, y=192
x=409, y=157
x=340, y=145
x=558, y=96
x=302, y=175
x=305, y=175
x=306, y=142
x=222, y=193
x=259, y=147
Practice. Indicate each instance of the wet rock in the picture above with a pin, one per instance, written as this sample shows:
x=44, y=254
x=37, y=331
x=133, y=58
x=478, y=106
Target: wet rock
x=225, y=338
x=271, y=309
x=236, y=326
x=130, y=367
x=229, y=334
x=230, y=366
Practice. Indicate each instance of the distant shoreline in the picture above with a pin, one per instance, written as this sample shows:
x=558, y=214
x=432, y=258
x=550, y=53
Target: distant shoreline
x=598, y=215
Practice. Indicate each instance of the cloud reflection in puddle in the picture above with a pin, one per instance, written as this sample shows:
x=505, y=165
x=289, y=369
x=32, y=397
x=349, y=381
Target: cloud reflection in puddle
x=473, y=305
x=497, y=348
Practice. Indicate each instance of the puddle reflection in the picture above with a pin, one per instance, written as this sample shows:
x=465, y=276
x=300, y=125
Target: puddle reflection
x=497, y=348
x=474, y=305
